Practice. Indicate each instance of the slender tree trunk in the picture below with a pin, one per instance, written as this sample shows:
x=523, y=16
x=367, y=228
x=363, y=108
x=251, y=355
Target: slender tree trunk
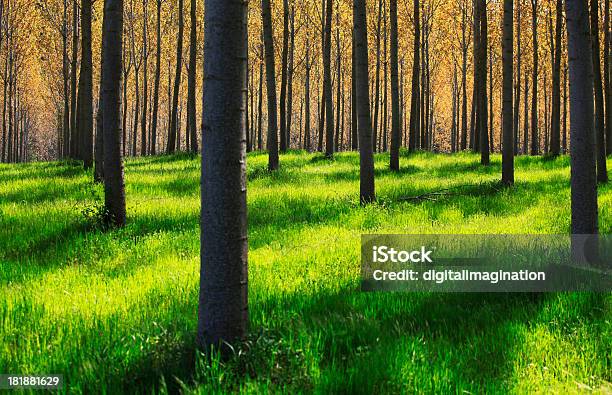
x=555, y=140
x=290, y=73
x=112, y=43
x=66, y=77
x=327, y=83
x=602, y=171
x=535, y=137
x=354, y=115
x=583, y=146
x=73, y=80
x=307, y=126
x=464, y=53
x=157, y=81
x=414, y=103
x=517, y=99
x=145, y=78
x=396, y=133
x=191, y=80
x=266, y=13
x=607, y=82
x=223, y=305
x=283, y=88
x=565, y=109
x=366, y=156
x=526, y=118
x=508, y=69
x=99, y=146
x=173, y=141
x=86, y=86
x=260, y=100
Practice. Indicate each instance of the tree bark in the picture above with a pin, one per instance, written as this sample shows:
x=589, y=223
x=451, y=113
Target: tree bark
x=86, y=86
x=283, y=88
x=396, y=133
x=114, y=190
x=602, y=171
x=266, y=13
x=415, y=111
x=535, y=138
x=157, y=82
x=223, y=304
x=73, y=81
x=508, y=79
x=555, y=140
x=583, y=169
x=327, y=83
x=191, y=80
x=173, y=132
x=366, y=156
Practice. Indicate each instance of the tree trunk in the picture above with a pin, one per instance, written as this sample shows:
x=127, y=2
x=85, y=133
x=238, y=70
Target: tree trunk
x=607, y=82
x=191, y=81
x=223, y=305
x=366, y=156
x=307, y=126
x=156, y=83
x=173, y=132
x=112, y=43
x=266, y=13
x=526, y=118
x=283, y=88
x=86, y=87
x=517, y=99
x=602, y=171
x=327, y=83
x=584, y=170
x=73, y=80
x=396, y=133
x=555, y=141
x=464, y=52
x=414, y=102
x=290, y=73
x=145, y=79
x=535, y=138
x=508, y=69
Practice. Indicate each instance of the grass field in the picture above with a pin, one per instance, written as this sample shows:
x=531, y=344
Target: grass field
x=115, y=311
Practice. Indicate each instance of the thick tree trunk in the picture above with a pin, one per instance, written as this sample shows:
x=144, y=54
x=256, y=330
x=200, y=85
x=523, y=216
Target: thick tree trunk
x=223, y=308
x=602, y=171
x=366, y=156
x=396, y=133
x=376, y=101
x=191, y=81
x=508, y=78
x=114, y=189
x=266, y=13
x=173, y=142
x=584, y=169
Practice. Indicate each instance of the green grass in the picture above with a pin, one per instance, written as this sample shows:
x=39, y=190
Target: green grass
x=115, y=311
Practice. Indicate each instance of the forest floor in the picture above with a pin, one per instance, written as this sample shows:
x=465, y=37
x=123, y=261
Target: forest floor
x=116, y=311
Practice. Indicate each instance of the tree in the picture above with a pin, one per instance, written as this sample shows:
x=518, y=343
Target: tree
x=602, y=171
x=86, y=87
x=112, y=49
x=396, y=133
x=173, y=132
x=191, y=80
x=283, y=90
x=327, y=83
x=223, y=307
x=517, y=98
x=535, y=138
x=145, y=75
x=555, y=132
x=73, y=80
x=415, y=110
x=508, y=70
x=266, y=14
x=364, y=123
x=156, y=82
x=582, y=134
